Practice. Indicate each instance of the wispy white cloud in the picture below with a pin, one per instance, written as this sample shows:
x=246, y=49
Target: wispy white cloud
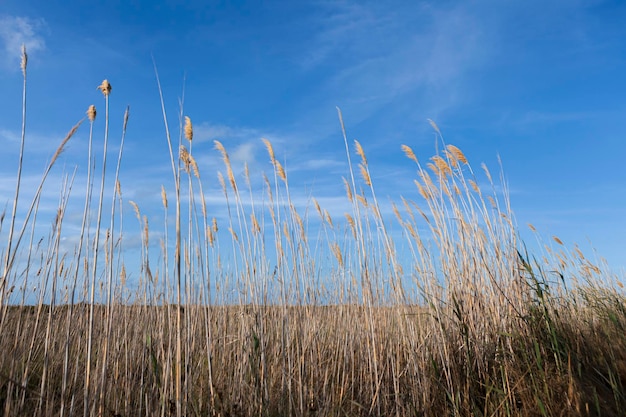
x=9, y=136
x=37, y=142
x=320, y=164
x=16, y=31
x=342, y=28
x=244, y=152
x=204, y=132
x=533, y=118
x=376, y=57
x=243, y=144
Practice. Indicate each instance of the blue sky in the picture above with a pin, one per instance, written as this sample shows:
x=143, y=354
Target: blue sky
x=539, y=83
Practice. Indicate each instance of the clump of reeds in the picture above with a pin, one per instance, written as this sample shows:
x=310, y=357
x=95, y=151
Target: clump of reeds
x=282, y=313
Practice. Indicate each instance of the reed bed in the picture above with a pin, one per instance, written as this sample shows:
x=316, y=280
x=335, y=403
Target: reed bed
x=283, y=311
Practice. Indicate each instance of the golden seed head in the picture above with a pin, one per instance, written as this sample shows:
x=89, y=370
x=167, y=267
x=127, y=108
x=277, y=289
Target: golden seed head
x=409, y=153
x=91, y=113
x=268, y=189
x=317, y=207
x=433, y=168
x=64, y=142
x=184, y=157
x=210, y=236
x=105, y=87
x=531, y=227
x=123, y=275
x=194, y=166
x=146, y=229
x=188, y=129
x=164, y=197
x=434, y=126
x=351, y=223
x=256, y=229
x=446, y=189
x=360, y=152
x=280, y=171
x=557, y=240
x=412, y=231
x=203, y=204
x=348, y=189
x=234, y=234
x=474, y=186
x=458, y=155
x=24, y=60
x=300, y=224
x=286, y=232
x=231, y=178
x=426, y=179
x=126, y=115
x=220, y=147
x=487, y=173
x=337, y=252
x=328, y=219
x=396, y=212
x=442, y=166
x=422, y=190
x=365, y=174
x=454, y=163
x=136, y=208
x=270, y=149
x=220, y=179
x=246, y=173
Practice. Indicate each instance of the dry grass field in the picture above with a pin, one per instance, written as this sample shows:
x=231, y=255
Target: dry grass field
x=336, y=323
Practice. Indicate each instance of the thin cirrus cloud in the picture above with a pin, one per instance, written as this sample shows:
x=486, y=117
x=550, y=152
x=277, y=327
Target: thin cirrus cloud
x=378, y=57
x=16, y=31
x=243, y=144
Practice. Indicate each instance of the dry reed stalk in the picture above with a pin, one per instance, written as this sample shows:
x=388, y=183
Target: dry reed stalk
x=56, y=273
x=105, y=88
x=109, y=266
x=177, y=258
x=91, y=115
x=6, y=265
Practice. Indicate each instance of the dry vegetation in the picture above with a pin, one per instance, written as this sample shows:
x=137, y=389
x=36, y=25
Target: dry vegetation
x=336, y=322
